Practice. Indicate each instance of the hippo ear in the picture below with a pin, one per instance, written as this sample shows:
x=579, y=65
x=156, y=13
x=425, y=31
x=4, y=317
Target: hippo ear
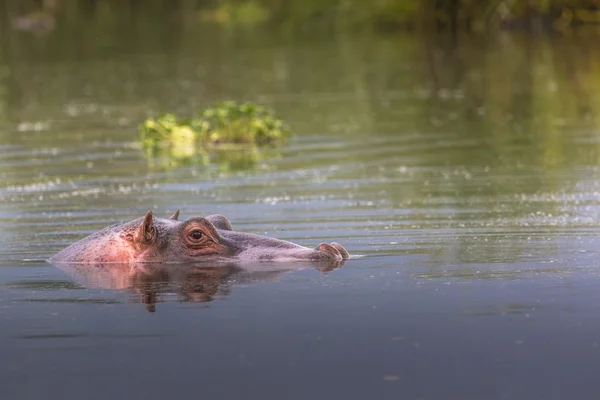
x=146, y=233
x=175, y=216
x=220, y=222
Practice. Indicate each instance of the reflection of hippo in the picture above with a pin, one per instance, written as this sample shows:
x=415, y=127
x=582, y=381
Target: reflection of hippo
x=190, y=282
x=158, y=240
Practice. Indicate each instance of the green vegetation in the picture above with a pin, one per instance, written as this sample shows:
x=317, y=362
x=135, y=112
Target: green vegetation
x=227, y=127
x=412, y=14
x=308, y=15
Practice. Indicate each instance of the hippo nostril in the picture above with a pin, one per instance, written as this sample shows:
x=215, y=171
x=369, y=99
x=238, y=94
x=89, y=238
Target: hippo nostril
x=331, y=250
x=343, y=252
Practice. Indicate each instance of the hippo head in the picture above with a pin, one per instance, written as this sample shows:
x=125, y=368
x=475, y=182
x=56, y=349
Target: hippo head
x=157, y=240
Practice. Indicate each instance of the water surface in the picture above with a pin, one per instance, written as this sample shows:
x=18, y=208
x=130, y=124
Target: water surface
x=464, y=173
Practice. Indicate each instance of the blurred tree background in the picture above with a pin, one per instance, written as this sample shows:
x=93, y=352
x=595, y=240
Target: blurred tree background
x=300, y=15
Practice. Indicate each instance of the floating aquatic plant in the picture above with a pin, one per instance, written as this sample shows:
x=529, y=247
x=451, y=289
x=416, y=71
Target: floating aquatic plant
x=227, y=125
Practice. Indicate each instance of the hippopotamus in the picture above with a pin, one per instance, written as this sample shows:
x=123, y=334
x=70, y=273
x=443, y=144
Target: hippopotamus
x=212, y=238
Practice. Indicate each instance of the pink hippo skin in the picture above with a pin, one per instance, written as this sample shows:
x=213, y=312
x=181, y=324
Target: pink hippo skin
x=159, y=240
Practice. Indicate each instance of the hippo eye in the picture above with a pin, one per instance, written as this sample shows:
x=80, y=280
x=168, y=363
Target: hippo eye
x=196, y=234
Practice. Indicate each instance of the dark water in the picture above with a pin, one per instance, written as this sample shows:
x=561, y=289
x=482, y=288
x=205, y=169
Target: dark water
x=464, y=174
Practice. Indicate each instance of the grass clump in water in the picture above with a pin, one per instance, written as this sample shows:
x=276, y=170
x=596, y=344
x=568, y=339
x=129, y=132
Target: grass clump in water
x=226, y=124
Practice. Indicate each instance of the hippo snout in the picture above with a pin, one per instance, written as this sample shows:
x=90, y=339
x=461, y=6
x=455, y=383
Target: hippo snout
x=332, y=251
